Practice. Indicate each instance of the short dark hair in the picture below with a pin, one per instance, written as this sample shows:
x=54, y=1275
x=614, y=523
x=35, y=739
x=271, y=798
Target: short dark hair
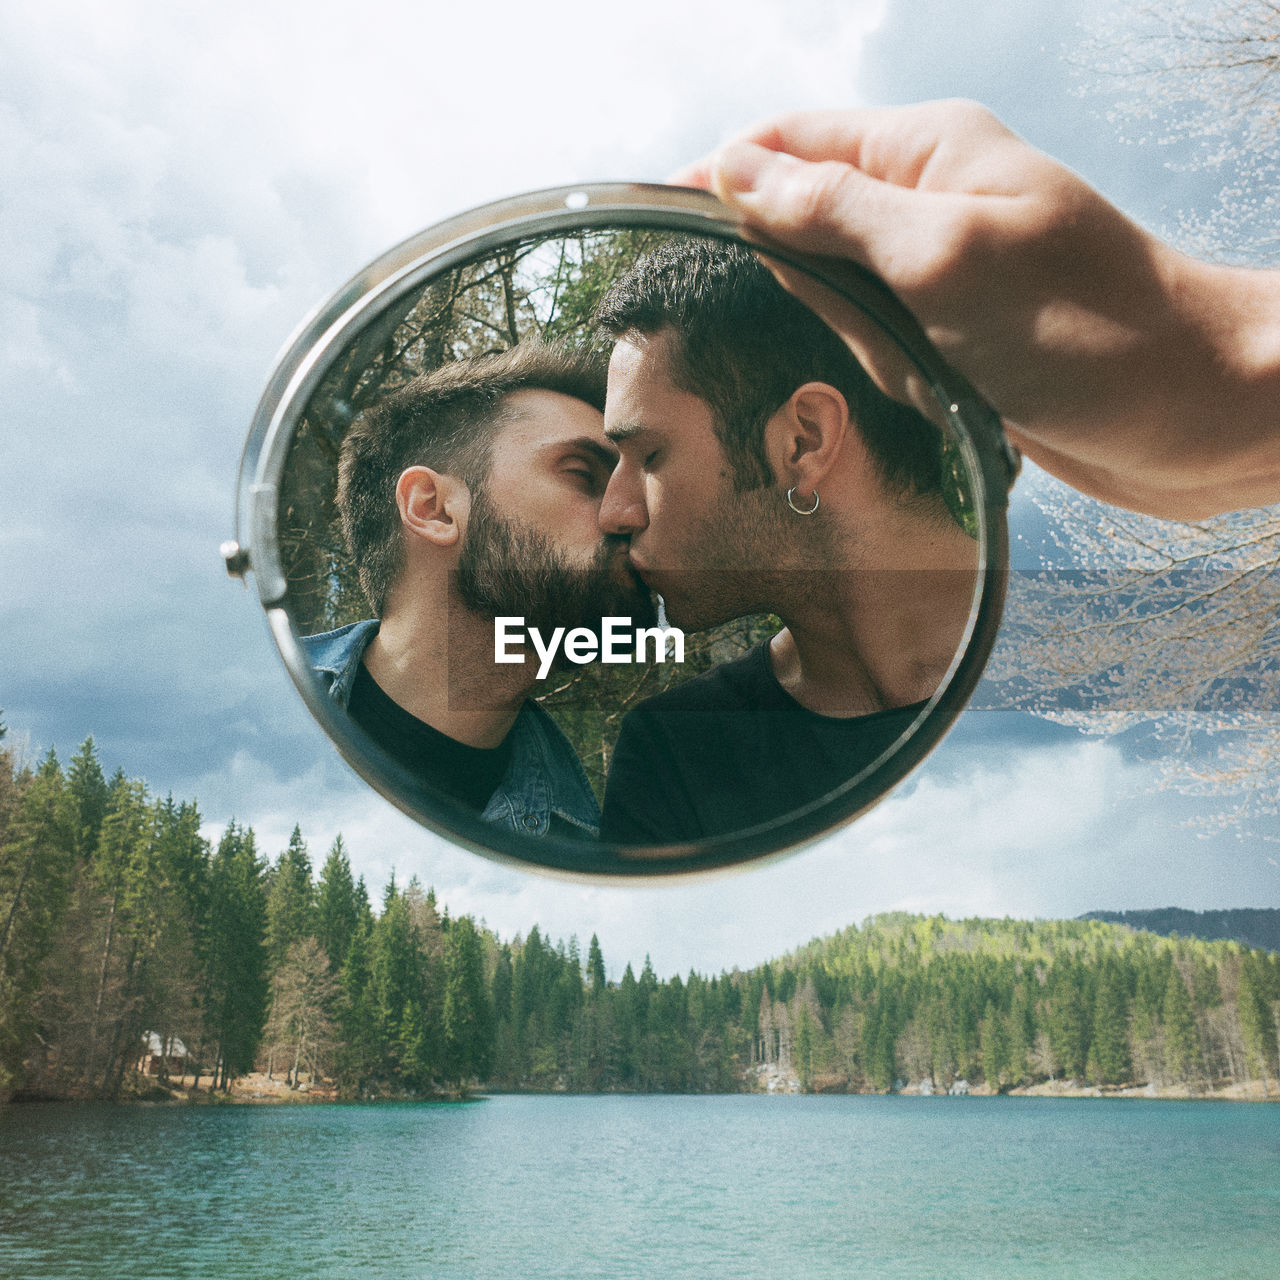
x=447, y=420
x=743, y=344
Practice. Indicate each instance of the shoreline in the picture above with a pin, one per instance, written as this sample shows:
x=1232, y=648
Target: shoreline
x=256, y=1090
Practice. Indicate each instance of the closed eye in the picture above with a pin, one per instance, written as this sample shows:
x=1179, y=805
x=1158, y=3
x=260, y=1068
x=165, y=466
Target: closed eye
x=587, y=474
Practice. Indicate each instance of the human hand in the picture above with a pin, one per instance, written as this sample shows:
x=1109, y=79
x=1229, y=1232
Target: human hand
x=1132, y=372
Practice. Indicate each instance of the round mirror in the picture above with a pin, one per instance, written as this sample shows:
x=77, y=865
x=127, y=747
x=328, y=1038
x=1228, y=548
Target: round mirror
x=593, y=548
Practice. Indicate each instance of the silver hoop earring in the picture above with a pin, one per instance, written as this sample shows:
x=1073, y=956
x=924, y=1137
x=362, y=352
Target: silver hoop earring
x=802, y=511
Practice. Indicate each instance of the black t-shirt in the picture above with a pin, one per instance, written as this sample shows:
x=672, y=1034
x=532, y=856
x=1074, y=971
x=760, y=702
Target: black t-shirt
x=731, y=749
x=467, y=774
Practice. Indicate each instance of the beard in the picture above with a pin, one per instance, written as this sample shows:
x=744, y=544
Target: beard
x=737, y=548
x=508, y=569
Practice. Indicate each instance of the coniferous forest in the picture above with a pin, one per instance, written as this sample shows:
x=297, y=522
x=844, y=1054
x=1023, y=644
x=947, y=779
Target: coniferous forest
x=123, y=929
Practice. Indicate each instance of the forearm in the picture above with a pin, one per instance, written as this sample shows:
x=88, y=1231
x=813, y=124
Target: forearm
x=1238, y=455
x=1189, y=426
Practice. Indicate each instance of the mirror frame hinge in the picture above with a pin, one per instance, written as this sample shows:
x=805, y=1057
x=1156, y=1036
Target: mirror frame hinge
x=235, y=557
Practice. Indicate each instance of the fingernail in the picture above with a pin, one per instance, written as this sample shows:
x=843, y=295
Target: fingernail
x=740, y=166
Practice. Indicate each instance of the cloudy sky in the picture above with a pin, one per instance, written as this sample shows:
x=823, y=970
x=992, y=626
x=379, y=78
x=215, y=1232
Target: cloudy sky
x=182, y=183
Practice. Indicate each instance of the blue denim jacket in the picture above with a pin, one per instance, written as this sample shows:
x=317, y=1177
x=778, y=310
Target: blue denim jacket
x=544, y=790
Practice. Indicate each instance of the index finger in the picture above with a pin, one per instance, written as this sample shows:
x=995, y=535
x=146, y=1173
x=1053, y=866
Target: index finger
x=893, y=144
x=808, y=135
x=697, y=174
x=926, y=144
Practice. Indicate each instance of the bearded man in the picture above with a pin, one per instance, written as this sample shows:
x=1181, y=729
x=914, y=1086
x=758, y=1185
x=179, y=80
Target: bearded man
x=469, y=494
x=762, y=472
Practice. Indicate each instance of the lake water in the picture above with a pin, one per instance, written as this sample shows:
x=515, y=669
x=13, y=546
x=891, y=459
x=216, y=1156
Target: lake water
x=525, y=1188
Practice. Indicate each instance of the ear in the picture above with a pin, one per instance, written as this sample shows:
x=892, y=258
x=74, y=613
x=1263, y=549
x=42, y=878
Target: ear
x=804, y=437
x=433, y=506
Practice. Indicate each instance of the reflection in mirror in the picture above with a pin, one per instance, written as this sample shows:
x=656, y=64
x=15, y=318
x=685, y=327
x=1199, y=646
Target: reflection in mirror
x=606, y=535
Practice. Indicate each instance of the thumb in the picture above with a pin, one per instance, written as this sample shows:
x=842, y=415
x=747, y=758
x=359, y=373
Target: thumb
x=825, y=207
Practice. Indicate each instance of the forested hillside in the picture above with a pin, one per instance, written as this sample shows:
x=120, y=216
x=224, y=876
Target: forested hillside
x=1254, y=926
x=120, y=924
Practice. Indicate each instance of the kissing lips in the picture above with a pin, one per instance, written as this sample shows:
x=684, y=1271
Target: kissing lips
x=624, y=573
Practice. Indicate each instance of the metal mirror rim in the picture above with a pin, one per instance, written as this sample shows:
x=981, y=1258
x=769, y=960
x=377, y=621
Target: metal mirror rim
x=306, y=357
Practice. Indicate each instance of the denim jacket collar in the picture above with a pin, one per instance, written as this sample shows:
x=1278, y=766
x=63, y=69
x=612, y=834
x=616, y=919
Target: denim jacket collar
x=545, y=788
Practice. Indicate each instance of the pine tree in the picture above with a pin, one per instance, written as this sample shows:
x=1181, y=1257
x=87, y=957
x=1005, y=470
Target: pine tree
x=595, y=967
x=235, y=978
x=1146, y=1033
x=468, y=1022
x=1109, y=1051
x=627, y=1028
x=879, y=1042
x=397, y=986
x=1069, y=1018
x=173, y=954
x=36, y=858
x=804, y=1047
x=88, y=790
x=337, y=906
x=1181, y=1036
x=120, y=869
x=1257, y=1022
x=1022, y=1031
x=528, y=1005
x=291, y=910
x=995, y=1048
x=505, y=1067
x=360, y=1051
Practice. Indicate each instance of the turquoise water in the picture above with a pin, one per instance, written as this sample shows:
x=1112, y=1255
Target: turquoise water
x=671, y=1187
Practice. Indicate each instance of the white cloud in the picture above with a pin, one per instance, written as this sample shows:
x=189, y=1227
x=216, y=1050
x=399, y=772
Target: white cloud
x=1050, y=832
x=182, y=183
